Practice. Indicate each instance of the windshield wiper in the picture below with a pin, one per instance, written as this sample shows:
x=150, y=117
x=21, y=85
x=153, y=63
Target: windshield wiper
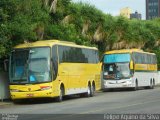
x=19, y=80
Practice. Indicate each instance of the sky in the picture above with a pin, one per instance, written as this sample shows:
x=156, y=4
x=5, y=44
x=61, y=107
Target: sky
x=113, y=6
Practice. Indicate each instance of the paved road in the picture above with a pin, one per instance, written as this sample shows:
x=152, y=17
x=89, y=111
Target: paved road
x=75, y=108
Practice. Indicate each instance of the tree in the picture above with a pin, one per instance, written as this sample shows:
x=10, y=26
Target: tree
x=33, y=20
x=21, y=21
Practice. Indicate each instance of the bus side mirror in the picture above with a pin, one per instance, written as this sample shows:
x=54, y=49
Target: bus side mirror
x=101, y=66
x=131, y=65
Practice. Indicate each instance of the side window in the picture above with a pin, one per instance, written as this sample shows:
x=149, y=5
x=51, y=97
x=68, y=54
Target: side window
x=60, y=53
x=90, y=56
x=77, y=55
x=138, y=58
x=149, y=59
x=145, y=57
x=82, y=53
x=54, y=61
x=93, y=56
x=154, y=59
x=85, y=53
x=135, y=57
x=141, y=58
x=96, y=58
x=64, y=54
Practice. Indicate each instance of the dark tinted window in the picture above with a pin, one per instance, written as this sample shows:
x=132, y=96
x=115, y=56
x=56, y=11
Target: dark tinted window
x=54, y=61
x=77, y=55
x=143, y=58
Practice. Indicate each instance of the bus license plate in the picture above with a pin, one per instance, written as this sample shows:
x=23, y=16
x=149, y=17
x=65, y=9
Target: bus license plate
x=30, y=95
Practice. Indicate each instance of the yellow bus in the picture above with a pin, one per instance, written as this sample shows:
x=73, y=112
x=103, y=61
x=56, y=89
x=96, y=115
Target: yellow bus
x=53, y=68
x=130, y=68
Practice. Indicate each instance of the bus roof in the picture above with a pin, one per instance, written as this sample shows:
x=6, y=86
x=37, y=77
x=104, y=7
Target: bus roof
x=51, y=43
x=127, y=51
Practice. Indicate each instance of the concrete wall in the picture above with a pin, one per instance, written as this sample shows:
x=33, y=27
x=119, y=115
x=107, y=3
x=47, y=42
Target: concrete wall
x=4, y=86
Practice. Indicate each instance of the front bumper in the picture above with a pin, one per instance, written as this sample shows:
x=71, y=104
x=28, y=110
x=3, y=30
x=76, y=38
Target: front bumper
x=118, y=84
x=34, y=94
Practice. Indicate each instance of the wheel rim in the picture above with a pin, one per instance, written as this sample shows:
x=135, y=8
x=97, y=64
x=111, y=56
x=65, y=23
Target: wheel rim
x=60, y=95
x=151, y=85
x=136, y=86
x=89, y=91
x=92, y=90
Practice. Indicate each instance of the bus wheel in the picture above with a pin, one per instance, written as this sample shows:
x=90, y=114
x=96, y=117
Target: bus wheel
x=136, y=86
x=61, y=93
x=92, y=90
x=88, y=93
x=153, y=85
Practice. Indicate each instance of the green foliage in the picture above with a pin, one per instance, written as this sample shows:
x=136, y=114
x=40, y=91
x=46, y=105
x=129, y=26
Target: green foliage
x=63, y=32
x=31, y=20
x=19, y=19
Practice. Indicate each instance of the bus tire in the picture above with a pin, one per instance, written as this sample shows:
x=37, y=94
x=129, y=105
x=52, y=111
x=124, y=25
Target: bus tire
x=151, y=84
x=92, y=90
x=136, y=86
x=61, y=93
x=88, y=93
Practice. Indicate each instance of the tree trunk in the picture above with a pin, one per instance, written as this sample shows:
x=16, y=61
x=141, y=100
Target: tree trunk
x=53, y=7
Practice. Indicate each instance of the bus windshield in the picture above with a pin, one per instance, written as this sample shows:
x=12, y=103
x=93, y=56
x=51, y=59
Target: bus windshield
x=39, y=70
x=30, y=66
x=116, y=58
x=18, y=65
x=117, y=71
x=116, y=66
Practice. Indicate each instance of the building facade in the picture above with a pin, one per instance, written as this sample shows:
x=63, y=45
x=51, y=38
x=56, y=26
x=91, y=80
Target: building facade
x=152, y=9
x=136, y=15
x=125, y=12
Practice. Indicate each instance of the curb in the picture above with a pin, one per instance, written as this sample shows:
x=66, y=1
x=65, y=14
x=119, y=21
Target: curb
x=5, y=102
x=157, y=85
x=2, y=104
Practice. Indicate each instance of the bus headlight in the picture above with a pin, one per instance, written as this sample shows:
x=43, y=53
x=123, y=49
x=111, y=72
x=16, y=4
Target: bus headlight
x=105, y=83
x=129, y=83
